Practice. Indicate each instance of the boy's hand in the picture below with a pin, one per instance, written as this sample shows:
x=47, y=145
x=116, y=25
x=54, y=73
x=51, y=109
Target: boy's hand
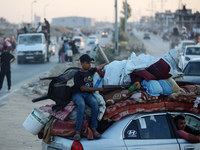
x=101, y=66
x=102, y=90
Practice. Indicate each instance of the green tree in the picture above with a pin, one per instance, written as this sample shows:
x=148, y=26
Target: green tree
x=122, y=19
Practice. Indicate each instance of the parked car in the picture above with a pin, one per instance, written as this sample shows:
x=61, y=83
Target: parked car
x=146, y=36
x=104, y=34
x=189, y=53
x=192, y=71
x=80, y=42
x=183, y=44
x=140, y=131
x=92, y=39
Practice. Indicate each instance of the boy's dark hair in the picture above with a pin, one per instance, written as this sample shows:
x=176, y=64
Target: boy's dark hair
x=179, y=117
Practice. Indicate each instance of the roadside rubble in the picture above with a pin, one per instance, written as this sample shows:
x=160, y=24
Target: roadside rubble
x=40, y=87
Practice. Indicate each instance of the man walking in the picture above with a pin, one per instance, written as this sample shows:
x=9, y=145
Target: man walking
x=6, y=58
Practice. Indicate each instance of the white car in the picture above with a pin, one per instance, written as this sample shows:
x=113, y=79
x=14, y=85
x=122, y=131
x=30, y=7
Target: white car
x=192, y=71
x=189, y=53
x=80, y=42
x=140, y=131
x=182, y=45
x=92, y=39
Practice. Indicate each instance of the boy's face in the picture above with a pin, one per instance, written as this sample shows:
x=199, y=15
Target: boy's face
x=180, y=124
x=86, y=65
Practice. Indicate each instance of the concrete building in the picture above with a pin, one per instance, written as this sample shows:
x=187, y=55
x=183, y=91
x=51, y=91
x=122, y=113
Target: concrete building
x=73, y=22
x=185, y=17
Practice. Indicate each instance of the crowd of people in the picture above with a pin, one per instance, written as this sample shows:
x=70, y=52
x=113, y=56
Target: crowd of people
x=67, y=50
x=9, y=42
x=27, y=28
x=176, y=36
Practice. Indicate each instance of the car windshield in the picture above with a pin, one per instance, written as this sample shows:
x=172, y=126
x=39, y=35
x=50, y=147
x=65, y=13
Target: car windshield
x=30, y=39
x=192, y=69
x=193, y=51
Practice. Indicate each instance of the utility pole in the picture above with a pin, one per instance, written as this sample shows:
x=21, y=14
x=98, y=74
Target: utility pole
x=162, y=5
x=125, y=22
x=180, y=4
x=32, y=12
x=116, y=30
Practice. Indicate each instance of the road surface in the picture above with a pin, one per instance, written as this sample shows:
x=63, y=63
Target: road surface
x=155, y=46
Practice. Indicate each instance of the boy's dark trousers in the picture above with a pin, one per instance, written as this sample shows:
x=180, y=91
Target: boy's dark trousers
x=8, y=76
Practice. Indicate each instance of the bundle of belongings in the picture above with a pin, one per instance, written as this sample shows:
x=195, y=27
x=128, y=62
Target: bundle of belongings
x=140, y=84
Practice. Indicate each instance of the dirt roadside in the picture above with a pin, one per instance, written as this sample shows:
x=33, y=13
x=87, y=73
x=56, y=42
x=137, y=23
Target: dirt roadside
x=13, y=136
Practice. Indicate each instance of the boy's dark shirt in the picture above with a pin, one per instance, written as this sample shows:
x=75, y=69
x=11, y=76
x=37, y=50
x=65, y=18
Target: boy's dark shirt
x=83, y=79
x=6, y=57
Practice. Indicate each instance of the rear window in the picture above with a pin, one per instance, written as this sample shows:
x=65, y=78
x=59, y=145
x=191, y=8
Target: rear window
x=193, y=51
x=192, y=68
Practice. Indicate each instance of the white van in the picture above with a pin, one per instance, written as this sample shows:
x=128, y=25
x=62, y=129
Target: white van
x=32, y=47
x=80, y=42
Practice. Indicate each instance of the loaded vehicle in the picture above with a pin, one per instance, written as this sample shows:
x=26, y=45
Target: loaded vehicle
x=142, y=125
x=134, y=118
x=33, y=47
x=139, y=131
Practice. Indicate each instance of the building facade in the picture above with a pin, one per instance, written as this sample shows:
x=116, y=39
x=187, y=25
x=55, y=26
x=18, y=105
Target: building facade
x=73, y=22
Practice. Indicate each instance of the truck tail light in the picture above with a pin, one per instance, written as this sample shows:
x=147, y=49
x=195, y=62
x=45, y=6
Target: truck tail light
x=76, y=145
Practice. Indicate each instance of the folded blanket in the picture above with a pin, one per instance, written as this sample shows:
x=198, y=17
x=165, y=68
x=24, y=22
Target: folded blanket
x=61, y=114
x=167, y=89
x=152, y=87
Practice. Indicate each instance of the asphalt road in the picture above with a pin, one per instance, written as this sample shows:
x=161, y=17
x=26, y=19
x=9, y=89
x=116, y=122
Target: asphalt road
x=155, y=45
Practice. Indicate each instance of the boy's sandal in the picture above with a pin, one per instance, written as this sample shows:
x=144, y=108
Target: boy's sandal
x=97, y=135
x=77, y=137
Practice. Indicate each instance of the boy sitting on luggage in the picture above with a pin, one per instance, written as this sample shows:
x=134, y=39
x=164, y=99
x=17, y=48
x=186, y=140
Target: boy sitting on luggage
x=82, y=94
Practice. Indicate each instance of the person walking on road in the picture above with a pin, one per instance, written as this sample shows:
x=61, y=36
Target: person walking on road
x=175, y=38
x=6, y=58
x=67, y=47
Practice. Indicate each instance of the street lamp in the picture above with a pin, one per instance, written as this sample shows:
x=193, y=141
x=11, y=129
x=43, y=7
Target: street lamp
x=45, y=10
x=32, y=12
x=116, y=31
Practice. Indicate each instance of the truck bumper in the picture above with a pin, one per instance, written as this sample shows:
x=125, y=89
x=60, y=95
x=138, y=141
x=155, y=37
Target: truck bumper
x=23, y=58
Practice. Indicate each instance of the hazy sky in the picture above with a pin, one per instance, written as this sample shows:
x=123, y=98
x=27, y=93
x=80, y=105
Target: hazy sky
x=16, y=11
